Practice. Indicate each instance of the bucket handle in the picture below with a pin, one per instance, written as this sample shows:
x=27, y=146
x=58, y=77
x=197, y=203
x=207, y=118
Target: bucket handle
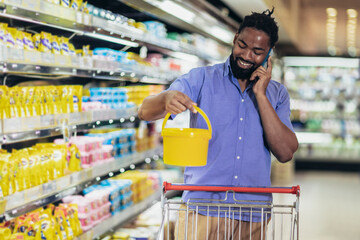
x=197, y=109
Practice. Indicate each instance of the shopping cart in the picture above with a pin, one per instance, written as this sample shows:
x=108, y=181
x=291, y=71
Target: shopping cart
x=275, y=221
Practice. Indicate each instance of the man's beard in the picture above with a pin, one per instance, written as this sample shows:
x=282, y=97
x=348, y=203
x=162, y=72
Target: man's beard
x=238, y=72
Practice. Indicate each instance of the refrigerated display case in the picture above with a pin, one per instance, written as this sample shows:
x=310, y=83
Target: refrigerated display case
x=325, y=107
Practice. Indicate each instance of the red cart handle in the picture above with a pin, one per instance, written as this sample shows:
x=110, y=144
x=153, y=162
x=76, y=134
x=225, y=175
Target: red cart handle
x=182, y=187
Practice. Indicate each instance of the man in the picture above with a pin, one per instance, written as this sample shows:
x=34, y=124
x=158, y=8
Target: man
x=249, y=114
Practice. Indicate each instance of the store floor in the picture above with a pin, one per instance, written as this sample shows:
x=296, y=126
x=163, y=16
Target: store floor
x=329, y=205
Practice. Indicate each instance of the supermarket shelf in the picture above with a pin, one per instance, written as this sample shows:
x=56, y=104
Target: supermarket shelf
x=22, y=129
x=329, y=158
x=314, y=137
x=22, y=202
x=193, y=22
x=22, y=62
x=121, y=217
x=47, y=14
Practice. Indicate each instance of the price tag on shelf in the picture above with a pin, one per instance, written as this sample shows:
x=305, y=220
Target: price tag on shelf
x=81, y=176
x=47, y=121
x=31, y=5
x=76, y=177
x=13, y=2
x=49, y=187
x=75, y=62
x=30, y=123
x=74, y=118
x=12, y=125
x=63, y=182
x=48, y=58
x=87, y=235
x=17, y=199
x=87, y=173
x=32, y=57
x=61, y=60
x=32, y=194
x=48, y=8
x=3, y=53
x=87, y=19
x=79, y=17
x=15, y=55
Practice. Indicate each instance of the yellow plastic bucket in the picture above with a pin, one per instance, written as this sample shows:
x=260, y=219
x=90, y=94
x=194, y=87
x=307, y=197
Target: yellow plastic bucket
x=186, y=146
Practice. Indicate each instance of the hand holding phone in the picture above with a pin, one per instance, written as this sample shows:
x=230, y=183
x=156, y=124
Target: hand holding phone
x=264, y=63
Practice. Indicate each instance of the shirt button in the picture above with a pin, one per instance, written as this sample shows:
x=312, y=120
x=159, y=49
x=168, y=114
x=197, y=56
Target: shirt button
x=235, y=177
x=240, y=138
x=238, y=157
x=242, y=100
x=241, y=119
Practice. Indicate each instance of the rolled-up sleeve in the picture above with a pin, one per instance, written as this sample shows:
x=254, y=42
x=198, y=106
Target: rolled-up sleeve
x=189, y=83
x=283, y=107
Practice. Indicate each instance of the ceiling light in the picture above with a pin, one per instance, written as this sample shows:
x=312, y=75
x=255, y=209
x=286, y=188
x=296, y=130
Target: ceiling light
x=112, y=39
x=184, y=56
x=351, y=32
x=176, y=10
x=220, y=33
x=352, y=13
x=331, y=12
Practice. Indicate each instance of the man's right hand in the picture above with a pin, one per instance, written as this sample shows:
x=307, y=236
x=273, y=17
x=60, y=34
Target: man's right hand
x=177, y=102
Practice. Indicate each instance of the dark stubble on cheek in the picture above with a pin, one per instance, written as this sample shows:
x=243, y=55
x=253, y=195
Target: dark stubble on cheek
x=240, y=73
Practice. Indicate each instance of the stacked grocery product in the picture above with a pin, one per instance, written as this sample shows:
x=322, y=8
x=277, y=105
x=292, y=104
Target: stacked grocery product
x=94, y=207
x=48, y=223
x=106, y=98
x=112, y=196
x=42, y=42
x=91, y=150
x=99, y=58
x=143, y=183
x=30, y=167
x=147, y=137
x=40, y=100
x=78, y=5
x=137, y=94
x=122, y=140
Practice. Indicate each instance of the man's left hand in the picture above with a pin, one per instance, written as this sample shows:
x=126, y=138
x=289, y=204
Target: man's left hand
x=262, y=77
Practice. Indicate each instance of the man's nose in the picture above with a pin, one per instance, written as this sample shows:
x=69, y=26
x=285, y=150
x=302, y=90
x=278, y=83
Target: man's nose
x=247, y=55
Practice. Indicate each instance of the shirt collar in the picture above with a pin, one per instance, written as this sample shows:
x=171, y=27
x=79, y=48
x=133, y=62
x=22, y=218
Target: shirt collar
x=227, y=70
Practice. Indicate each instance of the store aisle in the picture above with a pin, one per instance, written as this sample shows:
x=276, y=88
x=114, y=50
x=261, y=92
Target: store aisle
x=329, y=205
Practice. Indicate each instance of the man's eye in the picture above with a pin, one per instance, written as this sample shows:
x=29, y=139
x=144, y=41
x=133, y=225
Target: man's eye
x=258, y=53
x=242, y=45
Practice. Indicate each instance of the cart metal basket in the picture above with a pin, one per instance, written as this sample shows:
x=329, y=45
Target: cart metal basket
x=209, y=219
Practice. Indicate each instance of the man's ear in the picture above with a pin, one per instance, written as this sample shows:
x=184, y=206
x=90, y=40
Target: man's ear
x=235, y=37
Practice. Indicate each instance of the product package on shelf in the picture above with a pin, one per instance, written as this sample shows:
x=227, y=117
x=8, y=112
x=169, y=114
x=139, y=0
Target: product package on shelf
x=122, y=140
x=91, y=150
x=93, y=207
x=29, y=167
x=27, y=102
x=111, y=196
x=52, y=222
x=106, y=98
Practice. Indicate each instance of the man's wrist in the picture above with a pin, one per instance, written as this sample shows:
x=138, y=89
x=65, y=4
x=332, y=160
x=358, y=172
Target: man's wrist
x=261, y=96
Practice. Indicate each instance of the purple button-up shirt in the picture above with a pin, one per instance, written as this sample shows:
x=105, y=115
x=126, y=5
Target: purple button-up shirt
x=238, y=154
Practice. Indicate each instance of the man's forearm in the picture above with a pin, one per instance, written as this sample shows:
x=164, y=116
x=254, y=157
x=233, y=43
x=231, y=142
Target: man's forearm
x=152, y=108
x=281, y=140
